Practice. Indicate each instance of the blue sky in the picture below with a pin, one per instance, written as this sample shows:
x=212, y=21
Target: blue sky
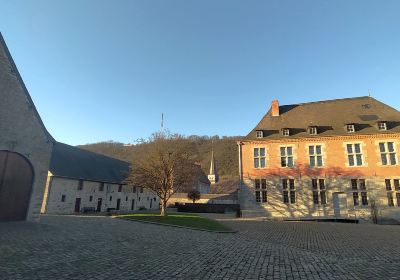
x=106, y=70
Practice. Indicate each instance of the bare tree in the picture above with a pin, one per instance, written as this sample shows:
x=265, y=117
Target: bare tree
x=193, y=195
x=164, y=167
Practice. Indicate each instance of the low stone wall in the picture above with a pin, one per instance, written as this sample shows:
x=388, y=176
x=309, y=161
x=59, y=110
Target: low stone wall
x=181, y=198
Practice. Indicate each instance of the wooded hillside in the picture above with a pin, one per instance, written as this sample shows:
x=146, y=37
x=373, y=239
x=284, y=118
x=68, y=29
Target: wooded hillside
x=225, y=152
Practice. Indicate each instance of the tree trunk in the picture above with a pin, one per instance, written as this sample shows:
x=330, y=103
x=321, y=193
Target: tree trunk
x=163, y=208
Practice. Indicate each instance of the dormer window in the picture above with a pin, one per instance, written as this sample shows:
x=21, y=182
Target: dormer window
x=350, y=128
x=259, y=134
x=313, y=130
x=285, y=132
x=382, y=126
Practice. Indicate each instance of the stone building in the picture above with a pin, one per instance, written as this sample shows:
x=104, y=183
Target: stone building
x=328, y=159
x=81, y=181
x=25, y=146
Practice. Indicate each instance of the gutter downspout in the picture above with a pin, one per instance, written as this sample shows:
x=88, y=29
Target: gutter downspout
x=240, y=175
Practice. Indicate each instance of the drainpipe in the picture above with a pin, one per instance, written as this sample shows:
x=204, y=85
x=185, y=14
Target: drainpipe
x=240, y=175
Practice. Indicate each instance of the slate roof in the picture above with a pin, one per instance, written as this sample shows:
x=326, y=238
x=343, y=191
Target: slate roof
x=15, y=71
x=72, y=162
x=330, y=117
x=201, y=176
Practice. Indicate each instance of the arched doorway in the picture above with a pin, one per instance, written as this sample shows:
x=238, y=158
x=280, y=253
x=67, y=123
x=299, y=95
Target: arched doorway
x=16, y=179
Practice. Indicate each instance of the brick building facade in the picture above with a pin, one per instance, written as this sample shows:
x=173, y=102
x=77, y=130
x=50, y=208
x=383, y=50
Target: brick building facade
x=329, y=159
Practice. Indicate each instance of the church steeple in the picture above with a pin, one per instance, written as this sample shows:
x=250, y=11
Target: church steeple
x=213, y=176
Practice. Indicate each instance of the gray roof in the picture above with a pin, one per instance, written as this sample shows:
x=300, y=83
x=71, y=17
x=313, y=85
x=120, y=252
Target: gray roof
x=72, y=162
x=330, y=117
x=25, y=90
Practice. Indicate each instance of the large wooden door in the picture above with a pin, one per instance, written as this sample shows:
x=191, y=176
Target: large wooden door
x=77, y=205
x=16, y=181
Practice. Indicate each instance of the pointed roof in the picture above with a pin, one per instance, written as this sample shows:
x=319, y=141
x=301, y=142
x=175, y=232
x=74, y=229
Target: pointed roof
x=9, y=63
x=212, y=166
x=330, y=117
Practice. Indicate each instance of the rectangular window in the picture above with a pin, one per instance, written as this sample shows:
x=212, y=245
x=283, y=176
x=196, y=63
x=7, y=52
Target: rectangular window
x=119, y=188
x=393, y=191
x=350, y=128
x=388, y=153
x=261, y=196
x=382, y=126
x=259, y=158
x=359, y=188
x=141, y=190
x=80, y=185
x=134, y=189
x=110, y=197
x=354, y=154
x=91, y=198
x=288, y=192
x=315, y=154
x=101, y=187
x=287, y=157
x=259, y=134
x=319, y=193
x=63, y=197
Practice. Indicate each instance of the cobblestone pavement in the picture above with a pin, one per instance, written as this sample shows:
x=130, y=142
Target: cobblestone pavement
x=105, y=248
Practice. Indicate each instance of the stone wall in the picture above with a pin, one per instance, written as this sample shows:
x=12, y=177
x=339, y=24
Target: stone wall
x=21, y=129
x=205, y=198
x=91, y=192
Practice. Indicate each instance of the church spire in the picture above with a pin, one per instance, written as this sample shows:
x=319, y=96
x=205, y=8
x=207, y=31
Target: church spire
x=213, y=176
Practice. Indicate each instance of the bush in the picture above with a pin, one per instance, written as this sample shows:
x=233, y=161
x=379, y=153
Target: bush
x=193, y=195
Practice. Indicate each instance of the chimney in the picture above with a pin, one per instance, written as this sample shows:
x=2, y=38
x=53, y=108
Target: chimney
x=275, y=108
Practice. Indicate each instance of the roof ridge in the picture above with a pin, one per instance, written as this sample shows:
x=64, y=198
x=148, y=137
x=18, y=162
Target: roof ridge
x=327, y=101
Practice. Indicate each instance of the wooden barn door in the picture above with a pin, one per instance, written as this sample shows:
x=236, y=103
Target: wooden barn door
x=16, y=179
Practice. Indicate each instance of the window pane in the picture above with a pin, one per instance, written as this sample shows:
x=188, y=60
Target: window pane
x=396, y=184
x=312, y=161
x=311, y=150
x=262, y=162
x=359, y=160
x=361, y=183
x=283, y=151
x=390, y=199
x=382, y=147
x=285, y=197
x=351, y=160
x=321, y=184
x=384, y=159
x=264, y=183
x=388, y=185
x=283, y=161
x=289, y=151
x=256, y=152
x=357, y=148
x=355, y=198
x=364, y=199
x=264, y=196
x=258, y=197
x=262, y=152
x=314, y=184
x=318, y=149
x=257, y=183
x=398, y=199
x=393, y=160
x=284, y=184
x=354, y=184
x=319, y=160
x=315, y=197
x=291, y=183
x=290, y=161
x=323, y=198
x=349, y=148
x=390, y=147
x=256, y=163
x=292, y=197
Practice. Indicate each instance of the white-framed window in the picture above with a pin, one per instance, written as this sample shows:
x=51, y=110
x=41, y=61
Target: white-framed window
x=354, y=154
x=319, y=191
x=382, y=126
x=288, y=191
x=259, y=134
x=350, y=128
x=260, y=158
x=260, y=186
x=285, y=131
x=313, y=130
x=359, y=188
x=388, y=153
x=287, y=156
x=315, y=155
x=393, y=191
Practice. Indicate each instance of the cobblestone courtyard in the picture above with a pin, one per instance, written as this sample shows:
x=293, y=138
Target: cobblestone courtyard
x=105, y=248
